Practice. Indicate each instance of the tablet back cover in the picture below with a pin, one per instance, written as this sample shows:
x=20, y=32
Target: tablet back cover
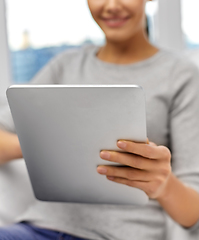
x=62, y=128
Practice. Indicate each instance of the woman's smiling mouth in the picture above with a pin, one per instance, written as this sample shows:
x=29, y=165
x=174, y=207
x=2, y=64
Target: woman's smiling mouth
x=115, y=21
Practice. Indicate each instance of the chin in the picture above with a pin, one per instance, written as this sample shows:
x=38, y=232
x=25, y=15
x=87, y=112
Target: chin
x=117, y=38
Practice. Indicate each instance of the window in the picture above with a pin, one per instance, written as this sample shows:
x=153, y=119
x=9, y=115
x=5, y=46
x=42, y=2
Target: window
x=151, y=12
x=190, y=20
x=38, y=30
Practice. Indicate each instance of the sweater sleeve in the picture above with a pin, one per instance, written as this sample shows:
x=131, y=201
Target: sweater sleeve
x=184, y=126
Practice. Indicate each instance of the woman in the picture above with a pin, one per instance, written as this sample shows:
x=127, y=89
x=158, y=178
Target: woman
x=171, y=86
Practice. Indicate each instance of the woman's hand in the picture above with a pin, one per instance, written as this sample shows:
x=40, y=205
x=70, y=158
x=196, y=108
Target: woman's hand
x=9, y=147
x=147, y=167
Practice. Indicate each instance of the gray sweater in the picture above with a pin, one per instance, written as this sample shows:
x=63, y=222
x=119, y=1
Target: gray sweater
x=171, y=86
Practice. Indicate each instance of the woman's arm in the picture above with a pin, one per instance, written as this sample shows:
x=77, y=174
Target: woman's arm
x=149, y=169
x=180, y=202
x=9, y=147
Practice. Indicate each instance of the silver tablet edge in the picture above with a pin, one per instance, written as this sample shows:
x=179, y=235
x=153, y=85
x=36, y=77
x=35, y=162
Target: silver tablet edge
x=70, y=85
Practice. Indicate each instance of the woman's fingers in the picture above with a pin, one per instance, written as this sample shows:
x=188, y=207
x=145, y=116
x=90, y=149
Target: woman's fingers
x=125, y=172
x=150, y=151
x=130, y=160
x=146, y=166
x=137, y=184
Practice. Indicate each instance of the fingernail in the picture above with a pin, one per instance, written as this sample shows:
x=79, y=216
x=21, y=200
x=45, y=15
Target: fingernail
x=105, y=155
x=121, y=144
x=110, y=178
x=101, y=170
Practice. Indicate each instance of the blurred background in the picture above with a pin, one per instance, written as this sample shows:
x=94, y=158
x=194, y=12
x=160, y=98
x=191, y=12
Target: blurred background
x=34, y=31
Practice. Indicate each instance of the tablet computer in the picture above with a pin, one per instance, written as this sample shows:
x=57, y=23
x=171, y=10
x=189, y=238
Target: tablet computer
x=63, y=128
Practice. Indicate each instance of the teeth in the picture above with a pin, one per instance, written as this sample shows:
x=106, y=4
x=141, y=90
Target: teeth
x=114, y=20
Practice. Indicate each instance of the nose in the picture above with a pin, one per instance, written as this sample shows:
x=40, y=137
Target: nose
x=113, y=6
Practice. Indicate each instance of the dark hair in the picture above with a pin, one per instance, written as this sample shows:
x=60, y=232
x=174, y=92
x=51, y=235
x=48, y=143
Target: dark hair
x=147, y=26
